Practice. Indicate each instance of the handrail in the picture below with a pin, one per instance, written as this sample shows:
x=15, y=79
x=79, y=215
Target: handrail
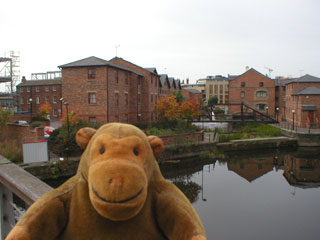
x=14, y=179
x=23, y=184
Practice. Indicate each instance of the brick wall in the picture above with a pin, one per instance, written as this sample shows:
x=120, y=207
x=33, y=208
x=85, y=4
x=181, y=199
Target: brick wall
x=19, y=132
x=252, y=80
x=149, y=87
x=182, y=138
x=45, y=92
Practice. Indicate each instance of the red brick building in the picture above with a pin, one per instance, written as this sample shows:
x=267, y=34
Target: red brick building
x=192, y=94
x=148, y=91
x=253, y=89
x=32, y=93
x=302, y=102
x=103, y=91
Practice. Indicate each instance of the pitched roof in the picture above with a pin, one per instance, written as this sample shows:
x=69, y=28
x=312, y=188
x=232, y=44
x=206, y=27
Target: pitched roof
x=171, y=81
x=163, y=79
x=192, y=90
x=40, y=82
x=152, y=70
x=251, y=69
x=178, y=83
x=231, y=77
x=96, y=62
x=305, y=78
x=308, y=91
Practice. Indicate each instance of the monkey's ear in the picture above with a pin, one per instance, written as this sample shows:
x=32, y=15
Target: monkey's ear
x=84, y=135
x=157, y=146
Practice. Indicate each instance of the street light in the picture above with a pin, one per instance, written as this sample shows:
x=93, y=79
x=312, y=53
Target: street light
x=30, y=100
x=277, y=113
x=68, y=129
x=292, y=119
x=267, y=110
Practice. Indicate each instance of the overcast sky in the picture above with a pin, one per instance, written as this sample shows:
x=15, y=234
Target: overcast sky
x=185, y=39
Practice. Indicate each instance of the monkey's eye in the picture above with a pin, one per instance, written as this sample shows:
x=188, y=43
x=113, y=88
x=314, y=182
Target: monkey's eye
x=135, y=151
x=102, y=149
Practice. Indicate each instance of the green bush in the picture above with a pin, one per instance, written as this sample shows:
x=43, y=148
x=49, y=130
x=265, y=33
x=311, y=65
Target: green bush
x=39, y=118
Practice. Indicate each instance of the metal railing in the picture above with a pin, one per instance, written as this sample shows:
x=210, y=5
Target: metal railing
x=290, y=127
x=16, y=186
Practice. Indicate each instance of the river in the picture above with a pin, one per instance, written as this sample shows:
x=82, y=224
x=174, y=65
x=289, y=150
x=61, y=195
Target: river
x=271, y=194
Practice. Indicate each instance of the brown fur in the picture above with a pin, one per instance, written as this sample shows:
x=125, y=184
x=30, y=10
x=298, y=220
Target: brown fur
x=117, y=193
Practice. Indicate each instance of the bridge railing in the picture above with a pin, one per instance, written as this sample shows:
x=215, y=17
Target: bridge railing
x=16, y=186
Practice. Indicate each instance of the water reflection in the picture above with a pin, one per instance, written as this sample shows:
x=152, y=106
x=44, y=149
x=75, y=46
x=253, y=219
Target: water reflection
x=254, y=195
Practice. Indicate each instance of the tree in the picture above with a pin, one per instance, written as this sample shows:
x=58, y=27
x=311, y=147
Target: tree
x=167, y=108
x=190, y=109
x=5, y=117
x=212, y=101
x=179, y=96
x=44, y=110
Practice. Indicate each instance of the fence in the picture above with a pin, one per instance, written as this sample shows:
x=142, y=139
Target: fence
x=294, y=128
x=16, y=185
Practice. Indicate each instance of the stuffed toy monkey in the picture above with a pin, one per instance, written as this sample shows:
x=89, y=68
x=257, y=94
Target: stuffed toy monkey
x=117, y=193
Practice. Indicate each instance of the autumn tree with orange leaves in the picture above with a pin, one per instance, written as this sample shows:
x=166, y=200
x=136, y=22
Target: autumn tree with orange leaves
x=44, y=109
x=168, y=108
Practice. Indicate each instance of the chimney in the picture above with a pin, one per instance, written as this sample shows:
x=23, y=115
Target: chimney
x=23, y=79
x=187, y=80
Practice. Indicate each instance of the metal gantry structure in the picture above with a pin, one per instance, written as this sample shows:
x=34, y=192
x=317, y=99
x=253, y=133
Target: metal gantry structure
x=10, y=70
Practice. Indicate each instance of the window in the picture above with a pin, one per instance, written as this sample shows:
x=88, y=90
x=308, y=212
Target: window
x=28, y=89
x=54, y=89
x=261, y=94
x=261, y=84
x=21, y=89
x=221, y=89
x=38, y=100
x=92, y=120
x=54, y=99
x=47, y=89
x=210, y=89
x=55, y=112
x=155, y=99
x=243, y=84
x=91, y=73
x=47, y=99
x=152, y=116
x=126, y=99
x=21, y=100
x=116, y=96
x=37, y=89
x=92, y=98
x=261, y=106
x=29, y=100
x=242, y=94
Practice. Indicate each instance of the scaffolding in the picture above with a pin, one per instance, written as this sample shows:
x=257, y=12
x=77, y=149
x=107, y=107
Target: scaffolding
x=10, y=70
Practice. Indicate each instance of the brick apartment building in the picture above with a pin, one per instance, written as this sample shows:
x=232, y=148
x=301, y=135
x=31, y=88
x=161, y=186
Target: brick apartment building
x=148, y=91
x=302, y=102
x=103, y=91
x=253, y=89
x=168, y=85
x=32, y=93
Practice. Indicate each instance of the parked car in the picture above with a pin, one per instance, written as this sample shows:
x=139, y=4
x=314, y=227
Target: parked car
x=48, y=130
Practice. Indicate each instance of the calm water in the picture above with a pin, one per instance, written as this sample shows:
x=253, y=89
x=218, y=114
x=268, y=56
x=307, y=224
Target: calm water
x=273, y=195
x=255, y=195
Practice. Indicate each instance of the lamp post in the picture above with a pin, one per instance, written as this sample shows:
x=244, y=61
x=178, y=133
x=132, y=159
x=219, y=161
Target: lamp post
x=30, y=100
x=68, y=125
x=67, y=104
x=292, y=119
x=277, y=113
x=267, y=108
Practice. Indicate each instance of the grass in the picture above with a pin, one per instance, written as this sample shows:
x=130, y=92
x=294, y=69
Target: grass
x=11, y=150
x=251, y=130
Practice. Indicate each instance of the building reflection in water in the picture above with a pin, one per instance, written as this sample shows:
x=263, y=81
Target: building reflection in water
x=301, y=172
x=300, y=169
